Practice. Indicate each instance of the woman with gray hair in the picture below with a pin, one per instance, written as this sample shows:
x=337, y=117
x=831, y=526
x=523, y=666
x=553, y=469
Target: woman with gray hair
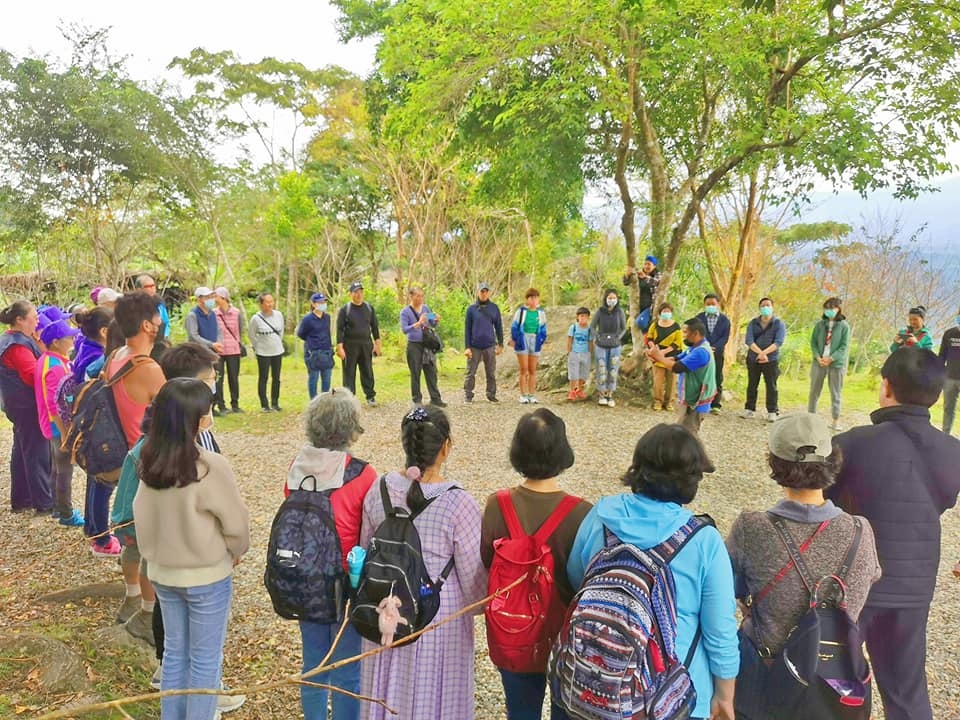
x=332, y=424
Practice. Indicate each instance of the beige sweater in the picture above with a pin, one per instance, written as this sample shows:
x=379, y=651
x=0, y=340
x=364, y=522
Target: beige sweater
x=191, y=535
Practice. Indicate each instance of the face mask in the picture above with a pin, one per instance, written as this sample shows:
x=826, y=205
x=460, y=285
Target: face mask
x=666, y=315
x=712, y=309
x=830, y=314
x=322, y=307
x=210, y=304
x=766, y=311
x=611, y=302
x=688, y=342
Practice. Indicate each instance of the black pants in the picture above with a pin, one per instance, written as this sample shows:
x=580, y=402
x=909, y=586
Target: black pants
x=359, y=355
x=489, y=358
x=29, y=461
x=415, y=361
x=272, y=366
x=718, y=361
x=229, y=366
x=769, y=371
x=158, y=630
x=897, y=642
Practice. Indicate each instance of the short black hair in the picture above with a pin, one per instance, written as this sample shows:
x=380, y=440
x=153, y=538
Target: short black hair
x=915, y=376
x=711, y=296
x=765, y=299
x=696, y=325
x=540, y=448
x=262, y=296
x=583, y=311
x=668, y=464
x=187, y=360
x=806, y=475
x=134, y=309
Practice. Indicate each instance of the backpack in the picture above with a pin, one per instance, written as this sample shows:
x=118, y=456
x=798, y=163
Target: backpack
x=64, y=396
x=95, y=438
x=615, y=656
x=394, y=566
x=523, y=622
x=820, y=671
x=304, y=574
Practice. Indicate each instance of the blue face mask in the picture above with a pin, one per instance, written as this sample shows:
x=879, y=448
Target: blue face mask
x=321, y=307
x=666, y=315
x=712, y=309
x=210, y=304
x=830, y=314
x=766, y=311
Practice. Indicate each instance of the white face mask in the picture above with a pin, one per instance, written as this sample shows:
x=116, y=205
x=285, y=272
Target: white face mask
x=611, y=302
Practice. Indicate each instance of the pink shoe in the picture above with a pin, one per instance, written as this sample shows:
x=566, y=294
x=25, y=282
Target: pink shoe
x=110, y=550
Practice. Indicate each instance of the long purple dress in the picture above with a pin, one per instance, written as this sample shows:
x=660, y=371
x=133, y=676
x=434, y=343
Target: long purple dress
x=433, y=677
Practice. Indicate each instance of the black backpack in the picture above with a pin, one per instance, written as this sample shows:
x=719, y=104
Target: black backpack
x=95, y=438
x=304, y=574
x=821, y=671
x=394, y=566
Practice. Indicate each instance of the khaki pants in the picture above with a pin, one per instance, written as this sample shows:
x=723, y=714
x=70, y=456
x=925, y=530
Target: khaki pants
x=662, y=386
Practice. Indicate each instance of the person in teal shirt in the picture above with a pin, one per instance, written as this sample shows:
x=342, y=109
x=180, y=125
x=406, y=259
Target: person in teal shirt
x=668, y=464
x=915, y=334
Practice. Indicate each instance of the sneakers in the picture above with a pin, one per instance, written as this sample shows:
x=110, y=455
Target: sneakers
x=532, y=399
x=581, y=395
x=524, y=400
x=468, y=400
x=110, y=550
x=277, y=408
x=140, y=625
x=836, y=426
x=74, y=519
x=748, y=414
x=572, y=395
x=438, y=403
x=611, y=402
x=371, y=403
x=128, y=609
x=602, y=400
x=266, y=408
x=772, y=416
x=157, y=675
x=493, y=399
x=236, y=409
x=714, y=411
x=229, y=703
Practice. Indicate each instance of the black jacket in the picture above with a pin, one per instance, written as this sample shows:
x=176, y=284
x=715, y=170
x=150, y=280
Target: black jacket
x=900, y=473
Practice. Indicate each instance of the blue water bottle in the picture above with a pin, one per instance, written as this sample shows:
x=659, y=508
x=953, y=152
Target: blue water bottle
x=355, y=559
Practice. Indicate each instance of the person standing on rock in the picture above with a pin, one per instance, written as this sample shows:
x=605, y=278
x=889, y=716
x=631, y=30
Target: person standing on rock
x=608, y=325
x=232, y=322
x=718, y=334
x=358, y=342
x=901, y=474
x=647, y=279
x=528, y=333
x=829, y=343
x=414, y=319
x=266, y=336
x=483, y=340
x=765, y=336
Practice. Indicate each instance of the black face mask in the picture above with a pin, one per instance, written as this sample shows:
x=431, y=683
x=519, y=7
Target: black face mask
x=688, y=342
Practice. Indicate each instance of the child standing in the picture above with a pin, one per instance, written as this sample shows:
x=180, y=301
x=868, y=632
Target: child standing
x=528, y=333
x=579, y=352
x=665, y=334
x=52, y=366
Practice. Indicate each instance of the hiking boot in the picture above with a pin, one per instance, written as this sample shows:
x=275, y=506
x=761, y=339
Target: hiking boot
x=229, y=703
x=141, y=626
x=110, y=550
x=74, y=519
x=128, y=609
x=157, y=676
x=748, y=414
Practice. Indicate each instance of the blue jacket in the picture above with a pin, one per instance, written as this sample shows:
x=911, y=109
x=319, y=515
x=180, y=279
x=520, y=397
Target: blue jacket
x=775, y=333
x=315, y=332
x=483, y=327
x=703, y=575
x=721, y=332
x=516, y=329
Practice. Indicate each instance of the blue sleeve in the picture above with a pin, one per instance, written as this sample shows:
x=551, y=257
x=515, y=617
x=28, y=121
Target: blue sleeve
x=694, y=359
x=718, y=609
x=468, y=327
x=301, y=328
x=749, y=339
x=781, y=335
x=588, y=543
x=542, y=328
x=571, y=330
x=408, y=319
x=723, y=332
x=498, y=328
x=164, y=318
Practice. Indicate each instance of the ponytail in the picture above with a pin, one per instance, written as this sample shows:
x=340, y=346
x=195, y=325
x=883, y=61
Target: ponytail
x=422, y=433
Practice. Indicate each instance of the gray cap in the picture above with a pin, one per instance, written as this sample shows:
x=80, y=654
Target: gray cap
x=482, y=286
x=792, y=432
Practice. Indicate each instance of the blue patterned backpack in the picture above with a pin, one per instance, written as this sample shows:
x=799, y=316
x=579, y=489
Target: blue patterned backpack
x=616, y=656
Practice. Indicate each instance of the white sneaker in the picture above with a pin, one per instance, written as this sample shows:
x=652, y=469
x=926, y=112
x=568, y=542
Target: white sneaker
x=229, y=703
x=836, y=426
x=747, y=414
x=772, y=417
x=155, y=680
x=524, y=400
x=611, y=403
x=532, y=399
x=603, y=400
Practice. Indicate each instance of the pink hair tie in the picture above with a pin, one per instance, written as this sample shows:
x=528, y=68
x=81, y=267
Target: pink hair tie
x=413, y=473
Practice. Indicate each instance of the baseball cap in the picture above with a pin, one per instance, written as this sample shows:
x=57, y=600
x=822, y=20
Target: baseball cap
x=356, y=285
x=651, y=259
x=202, y=291
x=107, y=295
x=56, y=330
x=482, y=286
x=318, y=297
x=222, y=292
x=792, y=432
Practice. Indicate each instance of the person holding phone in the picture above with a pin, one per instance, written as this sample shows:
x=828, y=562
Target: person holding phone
x=414, y=318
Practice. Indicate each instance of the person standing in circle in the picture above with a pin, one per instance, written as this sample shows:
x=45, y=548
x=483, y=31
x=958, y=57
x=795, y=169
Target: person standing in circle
x=915, y=334
x=765, y=337
x=358, y=341
x=203, y=327
x=528, y=332
x=829, y=342
x=483, y=340
x=30, y=455
x=314, y=330
x=718, y=334
x=413, y=319
x=266, y=336
x=608, y=325
x=231, y=321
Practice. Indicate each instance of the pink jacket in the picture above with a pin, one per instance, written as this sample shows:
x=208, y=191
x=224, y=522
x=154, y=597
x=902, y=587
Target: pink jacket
x=230, y=323
x=50, y=370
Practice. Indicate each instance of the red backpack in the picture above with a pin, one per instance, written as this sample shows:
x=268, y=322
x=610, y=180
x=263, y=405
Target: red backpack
x=523, y=622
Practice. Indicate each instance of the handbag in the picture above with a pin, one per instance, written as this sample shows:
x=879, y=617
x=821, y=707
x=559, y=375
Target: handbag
x=287, y=346
x=430, y=339
x=243, y=348
x=321, y=359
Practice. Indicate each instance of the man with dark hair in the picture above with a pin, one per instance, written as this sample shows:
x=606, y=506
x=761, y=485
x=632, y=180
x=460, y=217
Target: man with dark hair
x=149, y=286
x=647, y=279
x=901, y=473
x=697, y=384
x=358, y=341
x=718, y=333
x=483, y=340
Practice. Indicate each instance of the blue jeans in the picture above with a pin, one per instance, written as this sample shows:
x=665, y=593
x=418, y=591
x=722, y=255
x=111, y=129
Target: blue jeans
x=195, y=627
x=317, y=638
x=523, y=693
x=324, y=377
x=96, y=510
x=608, y=368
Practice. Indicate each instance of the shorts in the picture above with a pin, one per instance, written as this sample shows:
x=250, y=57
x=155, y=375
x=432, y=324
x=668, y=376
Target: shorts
x=529, y=343
x=578, y=366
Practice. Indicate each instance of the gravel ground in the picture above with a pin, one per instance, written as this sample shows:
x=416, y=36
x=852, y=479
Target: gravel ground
x=260, y=646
